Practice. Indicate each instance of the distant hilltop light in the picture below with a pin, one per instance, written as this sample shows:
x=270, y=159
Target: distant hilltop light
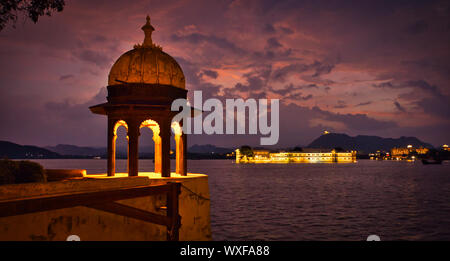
x=409, y=146
x=326, y=132
x=445, y=146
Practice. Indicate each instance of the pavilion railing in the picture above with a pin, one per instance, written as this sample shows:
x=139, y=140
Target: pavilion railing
x=105, y=201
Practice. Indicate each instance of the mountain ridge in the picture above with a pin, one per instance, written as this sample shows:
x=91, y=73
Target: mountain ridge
x=15, y=151
x=71, y=150
x=364, y=143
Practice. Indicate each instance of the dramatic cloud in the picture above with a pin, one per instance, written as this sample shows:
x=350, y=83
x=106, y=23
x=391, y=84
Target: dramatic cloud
x=211, y=73
x=399, y=107
x=272, y=43
x=65, y=77
x=340, y=104
x=346, y=66
x=363, y=104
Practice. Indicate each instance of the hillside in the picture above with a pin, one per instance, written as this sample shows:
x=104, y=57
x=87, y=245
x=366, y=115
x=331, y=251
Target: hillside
x=208, y=148
x=15, y=151
x=73, y=150
x=363, y=143
x=65, y=149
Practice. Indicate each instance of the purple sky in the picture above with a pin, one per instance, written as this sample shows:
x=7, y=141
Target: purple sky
x=357, y=67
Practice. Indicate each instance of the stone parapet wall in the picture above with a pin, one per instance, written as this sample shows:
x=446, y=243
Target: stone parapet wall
x=91, y=224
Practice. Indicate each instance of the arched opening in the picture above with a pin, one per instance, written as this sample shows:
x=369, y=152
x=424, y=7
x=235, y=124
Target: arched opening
x=118, y=134
x=113, y=128
x=180, y=143
x=154, y=127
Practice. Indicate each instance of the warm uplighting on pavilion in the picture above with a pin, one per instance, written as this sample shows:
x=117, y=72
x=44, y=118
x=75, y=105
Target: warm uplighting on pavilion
x=141, y=98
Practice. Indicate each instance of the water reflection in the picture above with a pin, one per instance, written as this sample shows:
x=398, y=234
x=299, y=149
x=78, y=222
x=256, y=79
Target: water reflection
x=395, y=200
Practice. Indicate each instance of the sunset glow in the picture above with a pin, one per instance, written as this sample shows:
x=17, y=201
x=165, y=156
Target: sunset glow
x=334, y=66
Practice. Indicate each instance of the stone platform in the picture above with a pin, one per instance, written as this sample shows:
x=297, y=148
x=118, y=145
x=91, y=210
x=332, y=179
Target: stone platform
x=92, y=224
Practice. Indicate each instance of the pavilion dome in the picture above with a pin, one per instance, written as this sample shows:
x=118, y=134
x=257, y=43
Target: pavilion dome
x=148, y=64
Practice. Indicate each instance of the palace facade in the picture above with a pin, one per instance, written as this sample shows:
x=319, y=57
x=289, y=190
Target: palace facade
x=401, y=152
x=305, y=156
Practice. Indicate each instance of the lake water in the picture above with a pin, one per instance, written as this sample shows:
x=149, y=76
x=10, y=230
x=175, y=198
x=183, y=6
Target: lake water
x=394, y=200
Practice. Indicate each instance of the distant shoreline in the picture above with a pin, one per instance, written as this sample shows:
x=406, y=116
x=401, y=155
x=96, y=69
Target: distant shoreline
x=191, y=156
x=118, y=158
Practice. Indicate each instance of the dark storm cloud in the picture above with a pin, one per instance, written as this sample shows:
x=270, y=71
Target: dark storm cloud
x=435, y=64
x=424, y=85
x=414, y=84
x=269, y=56
x=286, y=30
x=417, y=27
x=308, y=86
x=322, y=68
x=273, y=43
x=363, y=104
x=359, y=122
x=439, y=107
x=69, y=110
x=65, y=77
x=97, y=58
x=193, y=75
x=268, y=28
x=198, y=38
x=210, y=73
x=299, y=96
x=255, y=83
x=286, y=90
x=317, y=69
x=256, y=80
x=340, y=105
x=281, y=73
x=399, y=106
x=384, y=85
x=437, y=104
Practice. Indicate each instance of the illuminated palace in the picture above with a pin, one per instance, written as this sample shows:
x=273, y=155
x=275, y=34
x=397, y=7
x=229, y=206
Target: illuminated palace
x=397, y=152
x=409, y=153
x=305, y=156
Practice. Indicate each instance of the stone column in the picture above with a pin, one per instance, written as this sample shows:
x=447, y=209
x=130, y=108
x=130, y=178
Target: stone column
x=128, y=153
x=165, y=130
x=133, y=153
x=157, y=157
x=184, y=155
x=177, y=154
x=111, y=148
x=181, y=154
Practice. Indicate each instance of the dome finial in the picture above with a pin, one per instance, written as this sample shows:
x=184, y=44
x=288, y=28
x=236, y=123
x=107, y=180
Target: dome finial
x=148, y=29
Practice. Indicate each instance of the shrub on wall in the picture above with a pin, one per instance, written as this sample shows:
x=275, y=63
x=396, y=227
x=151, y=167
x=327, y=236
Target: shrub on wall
x=21, y=172
x=8, y=168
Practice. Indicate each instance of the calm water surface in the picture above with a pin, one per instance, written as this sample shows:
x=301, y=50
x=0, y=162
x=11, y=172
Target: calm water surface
x=395, y=200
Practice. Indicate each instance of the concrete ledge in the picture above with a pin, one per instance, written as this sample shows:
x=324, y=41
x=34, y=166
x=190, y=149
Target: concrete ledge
x=91, y=224
x=61, y=174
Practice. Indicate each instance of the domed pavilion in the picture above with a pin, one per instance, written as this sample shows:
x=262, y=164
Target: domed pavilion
x=142, y=85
